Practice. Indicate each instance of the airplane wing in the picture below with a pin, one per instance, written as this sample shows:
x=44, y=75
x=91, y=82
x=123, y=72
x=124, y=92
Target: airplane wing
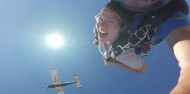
x=56, y=80
x=54, y=76
x=59, y=90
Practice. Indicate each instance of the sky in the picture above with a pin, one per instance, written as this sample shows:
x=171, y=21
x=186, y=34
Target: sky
x=26, y=59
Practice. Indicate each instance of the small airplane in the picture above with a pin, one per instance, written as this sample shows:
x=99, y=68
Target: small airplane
x=58, y=85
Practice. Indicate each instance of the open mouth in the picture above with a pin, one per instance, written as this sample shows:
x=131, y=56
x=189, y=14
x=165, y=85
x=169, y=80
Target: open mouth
x=103, y=35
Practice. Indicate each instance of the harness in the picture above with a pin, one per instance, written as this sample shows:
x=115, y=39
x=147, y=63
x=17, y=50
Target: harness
x=142, y=38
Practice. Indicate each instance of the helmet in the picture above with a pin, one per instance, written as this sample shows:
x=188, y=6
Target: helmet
x=143, y=5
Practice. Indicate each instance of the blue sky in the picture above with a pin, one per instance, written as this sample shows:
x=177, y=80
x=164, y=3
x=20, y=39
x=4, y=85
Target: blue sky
x=26, y=59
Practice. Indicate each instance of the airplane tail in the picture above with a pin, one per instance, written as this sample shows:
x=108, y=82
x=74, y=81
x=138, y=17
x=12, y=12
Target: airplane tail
x=76, y=78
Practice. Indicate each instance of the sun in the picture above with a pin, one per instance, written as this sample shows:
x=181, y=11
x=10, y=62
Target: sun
x=55, y=40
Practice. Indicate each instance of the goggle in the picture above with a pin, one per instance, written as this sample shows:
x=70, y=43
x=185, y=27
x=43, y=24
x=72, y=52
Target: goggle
x=109, y=21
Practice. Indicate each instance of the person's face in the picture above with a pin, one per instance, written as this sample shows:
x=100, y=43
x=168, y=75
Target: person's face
x=108, y=25
x=139, y=3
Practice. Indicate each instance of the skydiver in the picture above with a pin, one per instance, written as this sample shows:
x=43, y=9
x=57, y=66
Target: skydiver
x=126, y=30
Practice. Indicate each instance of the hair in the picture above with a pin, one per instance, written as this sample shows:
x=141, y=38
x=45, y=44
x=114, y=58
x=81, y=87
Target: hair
x=121, y=11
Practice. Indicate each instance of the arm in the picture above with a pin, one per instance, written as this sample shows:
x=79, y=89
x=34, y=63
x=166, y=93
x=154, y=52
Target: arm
x=179, y=43
x=123, y=66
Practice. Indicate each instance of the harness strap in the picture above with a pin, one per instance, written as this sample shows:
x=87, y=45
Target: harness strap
x=134, y=39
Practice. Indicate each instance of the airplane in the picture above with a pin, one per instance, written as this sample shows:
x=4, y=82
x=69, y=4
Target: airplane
x=58, y=85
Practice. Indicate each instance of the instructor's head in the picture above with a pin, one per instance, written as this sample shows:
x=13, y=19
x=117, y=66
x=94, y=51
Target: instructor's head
x=143, y=5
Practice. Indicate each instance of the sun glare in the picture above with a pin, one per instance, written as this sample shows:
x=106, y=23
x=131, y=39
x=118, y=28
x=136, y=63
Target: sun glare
x=55, y=40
